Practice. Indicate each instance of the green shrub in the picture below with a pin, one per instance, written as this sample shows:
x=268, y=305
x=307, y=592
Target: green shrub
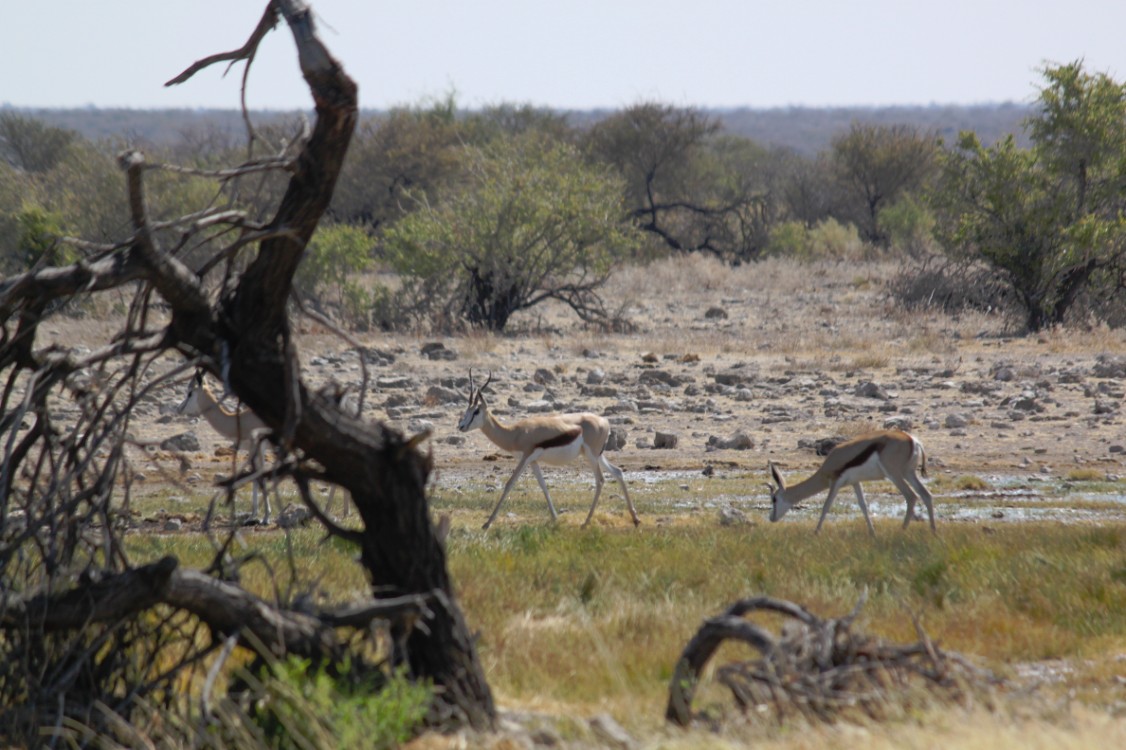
x=301, y=706
x=909, y=226
x=39, y=231
x=336, y=253
x=828, y=240
x=529, y=221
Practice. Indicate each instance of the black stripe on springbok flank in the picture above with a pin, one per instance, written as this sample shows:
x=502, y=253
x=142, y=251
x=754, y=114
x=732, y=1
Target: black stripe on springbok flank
x=858, y=459
x=563, y=438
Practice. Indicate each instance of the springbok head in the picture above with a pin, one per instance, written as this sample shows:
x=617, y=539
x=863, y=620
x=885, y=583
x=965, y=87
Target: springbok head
x=474, y=415
x=778, y=505
x=190, y=404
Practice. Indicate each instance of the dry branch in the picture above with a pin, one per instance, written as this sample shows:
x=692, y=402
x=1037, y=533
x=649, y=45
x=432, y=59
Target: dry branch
x=225, y=607
x=820, y=668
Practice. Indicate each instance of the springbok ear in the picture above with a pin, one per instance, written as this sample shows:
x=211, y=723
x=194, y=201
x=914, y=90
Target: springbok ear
x=777, y=477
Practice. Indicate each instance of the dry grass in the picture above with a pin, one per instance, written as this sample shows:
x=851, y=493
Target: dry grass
x=574, y=623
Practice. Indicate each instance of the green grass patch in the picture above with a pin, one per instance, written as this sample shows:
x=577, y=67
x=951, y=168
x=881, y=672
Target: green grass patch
x=576, y=622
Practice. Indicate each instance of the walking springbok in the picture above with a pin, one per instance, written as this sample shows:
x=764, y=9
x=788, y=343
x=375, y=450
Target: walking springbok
x=890, y=454
x=551, y=439
x=243, y=428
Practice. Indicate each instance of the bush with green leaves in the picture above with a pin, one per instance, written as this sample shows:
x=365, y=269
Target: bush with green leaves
x=37, y=239
x=30, y=144
x=828, y=240
x=1048, y=219
x=326, y=276
x=909, y=226
x=299, y=705
x=527, y=221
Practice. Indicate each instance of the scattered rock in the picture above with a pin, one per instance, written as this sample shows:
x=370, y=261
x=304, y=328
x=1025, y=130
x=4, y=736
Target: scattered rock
x=543, y=376
x=665, y=440
x=173, y=524
x=1106, y=367
x=436, y=394
x=1005, y=374
x=185, y=441
x=729, y=516
x=955, y=421
x=1027, y=404
x=823, y=446
x=649, y=377
x=374, y=356
x=715, y=313
x=898, y=423
x=734, y=377
x=397, y=399
x=595, y=376
x=394, y=382
x=740, y=441
x=294, y=516
x=868, y=389
x=1105, y=406
x=617, y=439
x=436, y=350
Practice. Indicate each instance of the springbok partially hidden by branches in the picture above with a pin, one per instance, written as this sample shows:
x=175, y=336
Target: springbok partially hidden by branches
x=243, y=428
x=890, y=454
x=551, y=439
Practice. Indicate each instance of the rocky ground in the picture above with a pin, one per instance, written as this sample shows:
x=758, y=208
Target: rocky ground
x=730, y=369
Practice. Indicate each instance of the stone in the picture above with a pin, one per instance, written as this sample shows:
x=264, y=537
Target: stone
x=436, y=350
x=185, y=441
x=729, y=516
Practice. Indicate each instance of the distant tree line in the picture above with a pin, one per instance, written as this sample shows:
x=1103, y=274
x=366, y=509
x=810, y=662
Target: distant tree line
x=485, y=213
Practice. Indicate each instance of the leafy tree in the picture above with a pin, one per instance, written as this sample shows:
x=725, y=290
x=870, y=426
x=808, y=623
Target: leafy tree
x=335, y=254
x=30, y=144
x=39, y=233
x=1048, y=218
x=528, y=221
x=657, y=149
x=875, y=165
x=517, y=119
x=411, y=150
x=807, y=191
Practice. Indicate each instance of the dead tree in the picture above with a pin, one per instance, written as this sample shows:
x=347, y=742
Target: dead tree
x=821, y=669
x=65, y=475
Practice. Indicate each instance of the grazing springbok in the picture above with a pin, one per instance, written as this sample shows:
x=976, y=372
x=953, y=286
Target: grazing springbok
x=551, y=439
x=890, y=454
x=243, y=428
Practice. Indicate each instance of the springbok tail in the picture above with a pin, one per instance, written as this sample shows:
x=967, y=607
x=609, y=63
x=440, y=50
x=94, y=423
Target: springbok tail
x=922, y=456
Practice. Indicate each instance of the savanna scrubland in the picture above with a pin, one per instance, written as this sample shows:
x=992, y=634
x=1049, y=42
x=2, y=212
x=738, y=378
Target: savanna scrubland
x=725, y=305
x=1024, y=447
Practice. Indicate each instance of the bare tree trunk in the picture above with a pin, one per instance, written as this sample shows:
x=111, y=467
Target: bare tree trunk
x=385, y=475
x=245, y=339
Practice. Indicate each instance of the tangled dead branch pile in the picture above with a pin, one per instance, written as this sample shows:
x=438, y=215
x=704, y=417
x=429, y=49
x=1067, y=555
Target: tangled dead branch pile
x=822, y=670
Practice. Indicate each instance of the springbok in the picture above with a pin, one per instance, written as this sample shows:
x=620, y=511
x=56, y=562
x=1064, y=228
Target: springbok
x=551, y=439
x=243, y=428
x=890, y=454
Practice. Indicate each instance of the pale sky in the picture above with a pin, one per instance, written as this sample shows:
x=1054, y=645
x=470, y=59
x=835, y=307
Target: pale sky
x=568, y=54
